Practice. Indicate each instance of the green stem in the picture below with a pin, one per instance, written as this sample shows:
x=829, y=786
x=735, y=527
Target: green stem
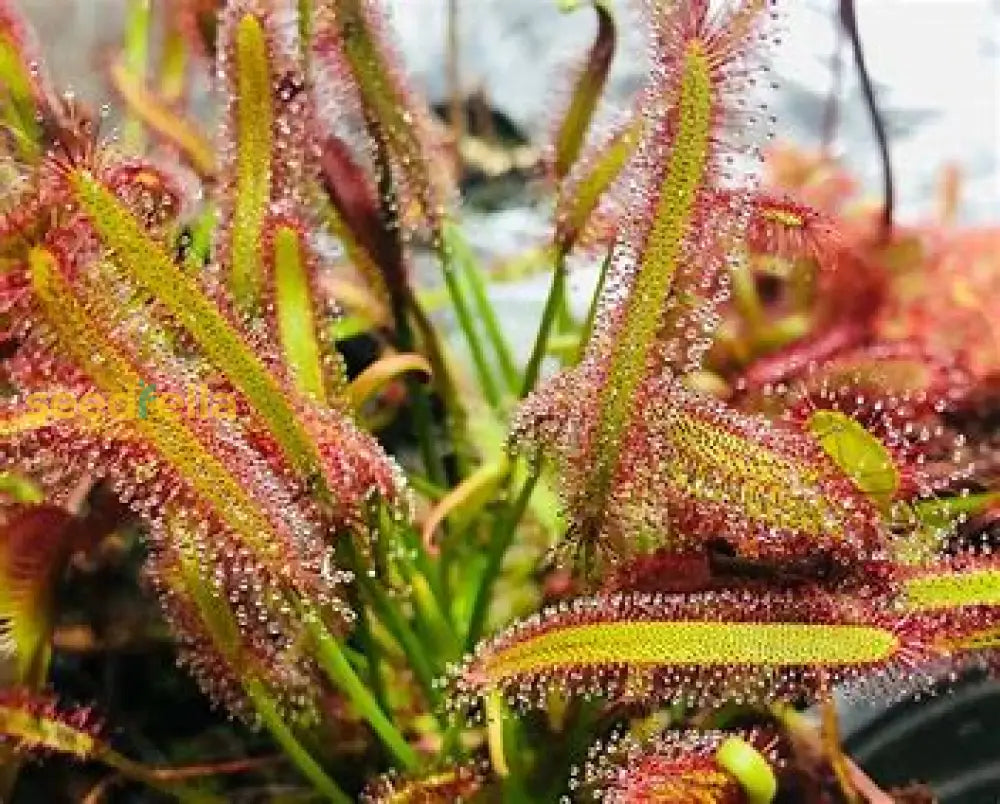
x=388, y=612
x=549, y=316
x=372, y=654
x=426, y=487
x=484, y=307
x=487, y=381
x=136, y=56
x=331, y=659
x=503, y=535
x=431, y=572
x=588, y=324
x=420, y=396
x=290, y=745
x=456, y=418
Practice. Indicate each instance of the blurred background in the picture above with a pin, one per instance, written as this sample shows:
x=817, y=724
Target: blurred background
x=936, y=65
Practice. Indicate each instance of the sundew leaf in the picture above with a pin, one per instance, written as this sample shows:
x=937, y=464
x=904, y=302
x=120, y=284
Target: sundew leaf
x=586, y=92
x=34, y=723
x=746, y=764
x=315, y=368
x=581, y=193
x=702, y=648
x=351, y=36
x=448, y=784
x=159, y=116
x=668, y=270
x=146, y=262
x=681, y=767
x=34, y=546
x=254, y=145
x=266, y=138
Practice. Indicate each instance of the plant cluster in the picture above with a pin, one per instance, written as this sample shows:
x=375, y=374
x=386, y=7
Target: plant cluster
x=764, y=467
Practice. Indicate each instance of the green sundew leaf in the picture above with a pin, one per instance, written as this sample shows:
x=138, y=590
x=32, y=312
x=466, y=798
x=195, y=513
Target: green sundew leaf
x=577, y=203
x=18, y=111
x=254, y=145
x=589, y=86
x=145, y=262
x=860, y=455
x=953, y=589
x=746, y=764
x=296, y=318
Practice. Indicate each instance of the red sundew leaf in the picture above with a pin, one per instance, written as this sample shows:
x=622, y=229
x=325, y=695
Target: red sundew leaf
x=902, y=393
x=256, y=536
x=459, y=783
x=668, y=271
x=373, y=247
x=851, y=289
x=715, y=646
x=35, y=543
x=679, y=767
x=949, y=301
x=363, y=80
x=35, y=723
x=694, y=473
x=815, y=178
x=666, y=572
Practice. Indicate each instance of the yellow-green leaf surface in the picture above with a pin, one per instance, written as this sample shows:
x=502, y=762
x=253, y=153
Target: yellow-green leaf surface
x=296, y=315
x=254, y=146
x=696, y=644
x=685, y=171
x=860, y=455
x=146, y=262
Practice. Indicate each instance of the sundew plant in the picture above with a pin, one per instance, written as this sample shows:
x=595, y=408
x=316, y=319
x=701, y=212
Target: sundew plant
x=405, y=566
